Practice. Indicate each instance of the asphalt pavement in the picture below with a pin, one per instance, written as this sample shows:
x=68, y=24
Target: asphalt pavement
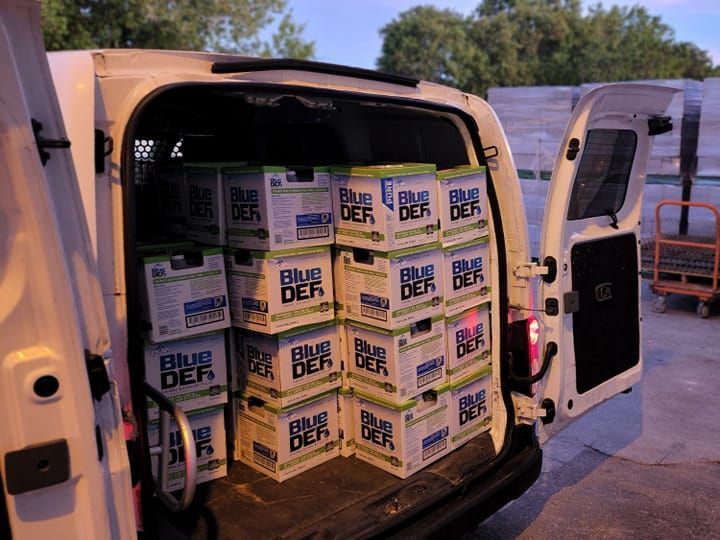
x=644, y=464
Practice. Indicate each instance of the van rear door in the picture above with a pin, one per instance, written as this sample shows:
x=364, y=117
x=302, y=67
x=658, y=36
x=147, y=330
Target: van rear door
x=63, y=465
x=590, y=299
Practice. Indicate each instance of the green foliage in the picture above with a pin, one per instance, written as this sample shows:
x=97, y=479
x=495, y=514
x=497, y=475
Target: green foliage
x=217, y=25
x=537, y=42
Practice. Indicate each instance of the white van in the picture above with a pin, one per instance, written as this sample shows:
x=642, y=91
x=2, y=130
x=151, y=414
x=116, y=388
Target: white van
x=79, y=137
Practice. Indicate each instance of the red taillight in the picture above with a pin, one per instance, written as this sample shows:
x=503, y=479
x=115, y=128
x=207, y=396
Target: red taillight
x=533, y=333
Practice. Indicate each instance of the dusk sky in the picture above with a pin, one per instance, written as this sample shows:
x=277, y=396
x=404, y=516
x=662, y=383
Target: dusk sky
x=347, y=31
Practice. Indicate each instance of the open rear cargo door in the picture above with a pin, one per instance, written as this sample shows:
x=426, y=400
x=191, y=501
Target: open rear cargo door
x=590, y=242
x=63, y=465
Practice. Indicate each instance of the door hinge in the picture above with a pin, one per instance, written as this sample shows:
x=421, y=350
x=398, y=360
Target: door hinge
x=529, y=270
x=97, y=375
x=44, y=144
x=527, y=410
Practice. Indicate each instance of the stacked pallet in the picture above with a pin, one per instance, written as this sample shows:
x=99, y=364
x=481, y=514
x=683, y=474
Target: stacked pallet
x=534, y=119
x=708, y=150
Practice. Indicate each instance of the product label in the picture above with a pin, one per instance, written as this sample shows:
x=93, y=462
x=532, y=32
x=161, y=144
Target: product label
x=466, y=276
x=376, y=430
x=308, y=431
x=417, y=281
x=308, y=359
x=356, y=207
x=468, y=343
x=244, y=205
x=471, y=409
x=464, y=203
x=369, y=357
x=300, y=284
x=413, y=204
x=192, y=373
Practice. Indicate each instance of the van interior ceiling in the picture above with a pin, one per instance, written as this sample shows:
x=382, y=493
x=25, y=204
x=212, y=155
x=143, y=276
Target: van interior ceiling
x=205, y=123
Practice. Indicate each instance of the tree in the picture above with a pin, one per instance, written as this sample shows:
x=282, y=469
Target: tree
x=537, y=42
x=218, y=25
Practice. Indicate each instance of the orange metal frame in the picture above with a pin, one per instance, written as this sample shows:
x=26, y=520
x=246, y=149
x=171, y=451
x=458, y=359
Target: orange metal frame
x=667, y=287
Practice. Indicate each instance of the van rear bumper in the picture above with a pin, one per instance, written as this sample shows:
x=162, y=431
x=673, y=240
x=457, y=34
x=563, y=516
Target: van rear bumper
x=479, y=498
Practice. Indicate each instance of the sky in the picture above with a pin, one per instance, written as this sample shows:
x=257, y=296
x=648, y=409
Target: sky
x=347, y=31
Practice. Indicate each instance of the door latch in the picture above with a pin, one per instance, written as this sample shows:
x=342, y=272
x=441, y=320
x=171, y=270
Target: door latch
x=529, y=270
x=44, y=144
x=527, y=410
x=97, y=375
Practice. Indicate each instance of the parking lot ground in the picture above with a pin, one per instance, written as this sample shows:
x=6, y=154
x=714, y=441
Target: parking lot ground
x=644, y=464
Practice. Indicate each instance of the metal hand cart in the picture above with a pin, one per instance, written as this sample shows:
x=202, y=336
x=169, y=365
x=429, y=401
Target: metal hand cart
x=682, y=264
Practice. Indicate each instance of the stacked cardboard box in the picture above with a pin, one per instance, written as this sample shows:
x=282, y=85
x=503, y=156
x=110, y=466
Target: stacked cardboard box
x=407, y=237
x=380, y=348
x=185, y=308
x=282, y=309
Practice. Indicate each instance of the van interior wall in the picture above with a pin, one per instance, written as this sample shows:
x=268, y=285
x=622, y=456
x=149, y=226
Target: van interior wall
x=211, y=124
x=230, y=126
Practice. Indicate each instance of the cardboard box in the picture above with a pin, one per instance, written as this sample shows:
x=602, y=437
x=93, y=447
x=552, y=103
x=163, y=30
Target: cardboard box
x=272, y=208
x=172, y=196
x=275, y=291
x=468, y=342
x=208, y=427
x=385, y=207
x=346, y=423
x=344, y=356
x=206, y=202
x=462, y=194
x=185, y=291
x=466, y=275
x=293, y=366
x=392, y=290
x=191, y=373
x=396, y=365
x=282, y=443
x=402, y=439
x=338, y=283
x=471, y=407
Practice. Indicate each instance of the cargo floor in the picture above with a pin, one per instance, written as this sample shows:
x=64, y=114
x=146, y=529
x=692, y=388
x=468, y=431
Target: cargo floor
x=343, y=498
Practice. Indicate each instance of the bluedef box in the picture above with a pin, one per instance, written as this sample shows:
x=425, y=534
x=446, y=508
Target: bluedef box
x=346, y=422
x=402, y=439
x=205, y=202
x=462, y=194
x=396, y=365
x=275, y=291
x=470, y=407
x=282, y=443
x=172, y=196
x=272, y=208
x=466, y=275
x=184, y=291
x=392, y=290
x=468, y=342
x=192, y=373
x=385, y=207
x=290, y=367
x=208, y=428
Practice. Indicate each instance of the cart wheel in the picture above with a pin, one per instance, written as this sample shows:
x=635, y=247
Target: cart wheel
x=658, y=305
x=703, y=310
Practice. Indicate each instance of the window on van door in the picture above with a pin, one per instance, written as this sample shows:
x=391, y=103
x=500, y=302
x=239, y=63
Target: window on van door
x=602, y=177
